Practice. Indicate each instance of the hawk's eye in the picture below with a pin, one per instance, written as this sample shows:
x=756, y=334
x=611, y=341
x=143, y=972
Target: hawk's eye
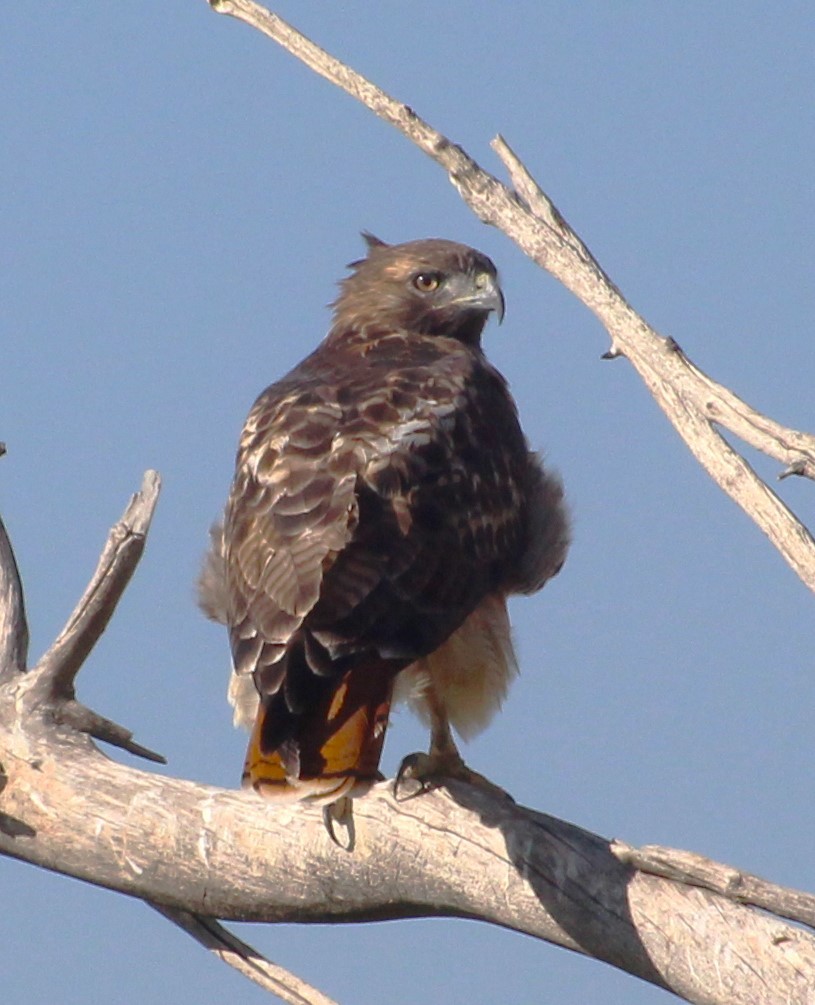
x=426, y=282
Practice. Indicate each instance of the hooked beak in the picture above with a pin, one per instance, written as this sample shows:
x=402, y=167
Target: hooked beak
x=480, y=292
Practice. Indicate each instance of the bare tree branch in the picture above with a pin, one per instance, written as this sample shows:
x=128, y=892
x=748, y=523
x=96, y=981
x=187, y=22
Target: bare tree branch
x=244, y=958
x=52, y=679
x=197, y=852
x=54, y=674
x=72, y=713
x=13, y=624
x=57, y=669
x=694, y=403
x=743, y=887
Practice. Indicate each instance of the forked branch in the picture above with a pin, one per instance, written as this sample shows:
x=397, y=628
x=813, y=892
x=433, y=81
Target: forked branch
x=48, y=690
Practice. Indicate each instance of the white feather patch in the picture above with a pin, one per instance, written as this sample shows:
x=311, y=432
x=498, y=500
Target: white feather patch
x=469, y=674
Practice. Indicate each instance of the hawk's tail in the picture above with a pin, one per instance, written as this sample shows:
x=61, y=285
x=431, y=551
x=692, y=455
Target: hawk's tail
x=331, y=748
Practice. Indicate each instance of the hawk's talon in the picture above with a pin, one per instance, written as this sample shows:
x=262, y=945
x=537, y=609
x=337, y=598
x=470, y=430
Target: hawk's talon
x=413, y=777
x=340, y=814
x=428, y=771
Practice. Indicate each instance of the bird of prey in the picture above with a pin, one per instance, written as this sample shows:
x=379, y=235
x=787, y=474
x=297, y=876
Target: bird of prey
x=384, y=506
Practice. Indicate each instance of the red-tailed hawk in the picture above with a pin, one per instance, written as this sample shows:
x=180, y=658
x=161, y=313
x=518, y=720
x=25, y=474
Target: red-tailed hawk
x=385, y=504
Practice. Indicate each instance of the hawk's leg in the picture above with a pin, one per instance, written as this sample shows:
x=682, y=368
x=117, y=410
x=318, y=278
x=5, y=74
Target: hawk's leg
x=421, y=772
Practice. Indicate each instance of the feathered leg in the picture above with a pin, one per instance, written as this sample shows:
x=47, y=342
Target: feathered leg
x=421, y=772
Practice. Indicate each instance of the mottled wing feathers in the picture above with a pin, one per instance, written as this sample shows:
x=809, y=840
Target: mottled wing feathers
x=382, y=492
x=364, y=512
x=291, y=510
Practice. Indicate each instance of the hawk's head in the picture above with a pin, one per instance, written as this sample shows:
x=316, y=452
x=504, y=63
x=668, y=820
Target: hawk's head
x=432, y=286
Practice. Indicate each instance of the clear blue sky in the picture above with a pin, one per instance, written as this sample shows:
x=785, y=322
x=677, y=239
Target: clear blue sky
x=178, y=199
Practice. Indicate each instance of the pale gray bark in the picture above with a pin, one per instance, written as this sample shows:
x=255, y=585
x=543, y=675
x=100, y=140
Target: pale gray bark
x=197, y=853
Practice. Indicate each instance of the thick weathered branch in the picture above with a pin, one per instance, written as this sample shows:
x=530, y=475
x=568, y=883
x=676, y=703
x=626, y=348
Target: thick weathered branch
x=695, y=404
x=192, y=850
x=212, y=852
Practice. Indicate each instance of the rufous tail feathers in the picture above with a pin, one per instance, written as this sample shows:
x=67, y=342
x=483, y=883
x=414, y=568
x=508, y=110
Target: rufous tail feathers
x=335, y=746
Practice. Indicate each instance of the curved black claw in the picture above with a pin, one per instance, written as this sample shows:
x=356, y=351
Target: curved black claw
x=416, y=775
x=339, y=817
x=420, y=773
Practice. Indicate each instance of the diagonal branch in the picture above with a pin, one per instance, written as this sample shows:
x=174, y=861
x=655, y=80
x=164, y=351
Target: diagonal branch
x=84, y=720
x=52, y=678
x=695, y=404
x=244, y=958
x=57, y=669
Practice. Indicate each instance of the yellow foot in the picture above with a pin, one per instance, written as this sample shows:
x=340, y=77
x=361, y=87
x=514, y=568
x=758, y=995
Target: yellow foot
x=420, y=773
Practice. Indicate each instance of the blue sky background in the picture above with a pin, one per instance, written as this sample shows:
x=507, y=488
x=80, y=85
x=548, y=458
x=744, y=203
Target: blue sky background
x=179, y=197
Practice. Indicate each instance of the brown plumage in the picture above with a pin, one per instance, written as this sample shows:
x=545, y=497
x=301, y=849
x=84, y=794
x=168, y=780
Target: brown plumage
x=385, y=503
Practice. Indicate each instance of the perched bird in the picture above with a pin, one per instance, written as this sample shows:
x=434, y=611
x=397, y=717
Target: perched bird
x=385, y=504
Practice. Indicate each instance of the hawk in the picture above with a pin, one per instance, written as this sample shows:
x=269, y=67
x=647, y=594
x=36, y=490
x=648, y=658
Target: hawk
x=384, y=506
